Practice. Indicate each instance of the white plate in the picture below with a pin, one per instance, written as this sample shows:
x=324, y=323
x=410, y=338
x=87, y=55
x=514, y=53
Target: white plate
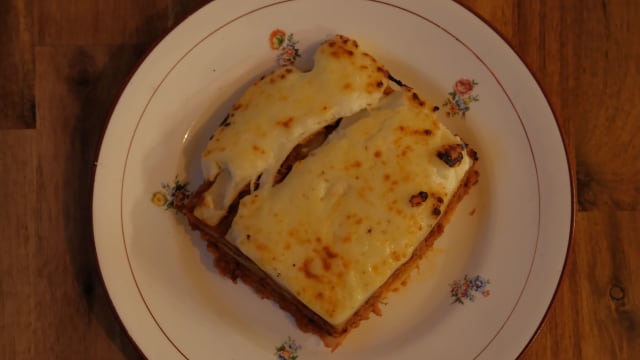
x=513, y=229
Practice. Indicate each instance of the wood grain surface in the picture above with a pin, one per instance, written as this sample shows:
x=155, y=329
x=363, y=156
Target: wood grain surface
x=64, y=62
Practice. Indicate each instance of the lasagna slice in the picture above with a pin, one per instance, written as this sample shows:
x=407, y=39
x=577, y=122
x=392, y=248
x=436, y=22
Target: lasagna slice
x=327, y=214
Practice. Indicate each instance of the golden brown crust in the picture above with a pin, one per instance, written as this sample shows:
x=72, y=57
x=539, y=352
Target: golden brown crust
x=233, y=264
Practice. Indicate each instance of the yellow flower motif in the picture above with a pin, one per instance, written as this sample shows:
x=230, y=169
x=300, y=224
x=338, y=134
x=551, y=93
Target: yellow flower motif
x=159, y=199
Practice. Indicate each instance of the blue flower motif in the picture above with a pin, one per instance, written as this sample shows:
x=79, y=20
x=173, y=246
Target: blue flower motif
x=468, y=289
x=478, y=283
x=462, y=106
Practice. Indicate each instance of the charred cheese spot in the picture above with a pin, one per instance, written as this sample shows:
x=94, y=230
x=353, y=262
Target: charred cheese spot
x=225, y=122
x=367, y=55
x=451, y=154
x=373, y=87
x=418, y=199
x=417, y=101
x=341, y=53
x=472, y=154
x=377, y=154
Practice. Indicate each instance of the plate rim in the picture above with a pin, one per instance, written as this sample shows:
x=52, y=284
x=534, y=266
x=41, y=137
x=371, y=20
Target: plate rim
x=568, y=162
x=571, y=168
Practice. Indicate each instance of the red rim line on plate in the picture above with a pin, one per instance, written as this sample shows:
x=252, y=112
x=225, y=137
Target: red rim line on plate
x=409, y=12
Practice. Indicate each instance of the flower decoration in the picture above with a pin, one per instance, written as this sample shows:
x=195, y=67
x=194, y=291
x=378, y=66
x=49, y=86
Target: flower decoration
x=159, y=198
x=461, y=97
x=173, y=195
x=287, y=46
x=277, y=38
x=468, y=289
x=288, y=350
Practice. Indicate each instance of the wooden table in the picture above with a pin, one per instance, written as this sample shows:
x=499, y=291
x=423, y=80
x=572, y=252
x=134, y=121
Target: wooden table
x=64, y=62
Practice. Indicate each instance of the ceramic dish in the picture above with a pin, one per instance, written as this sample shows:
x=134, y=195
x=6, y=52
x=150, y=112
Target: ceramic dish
x=483, y=290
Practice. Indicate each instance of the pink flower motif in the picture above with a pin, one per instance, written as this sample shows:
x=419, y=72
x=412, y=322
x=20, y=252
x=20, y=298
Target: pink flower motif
x=286, y=61
x=289, y=52
x=288, y=55
x=463, y=87
x=287, y=45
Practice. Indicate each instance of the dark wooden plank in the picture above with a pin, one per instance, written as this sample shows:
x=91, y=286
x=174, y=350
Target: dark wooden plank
x=180, y=9
x=584, y=57
x=52, y=304
x=605, y=65
x=597, y=310
x=75, y=88
x=78, y=22
x=17, y=109
x=18, y=242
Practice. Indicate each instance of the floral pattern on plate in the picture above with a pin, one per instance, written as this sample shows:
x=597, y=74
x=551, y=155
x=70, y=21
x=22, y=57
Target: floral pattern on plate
x=287, y=45
x=461, y=97
x=173, y=195
x=469, y=288
x=288, y=350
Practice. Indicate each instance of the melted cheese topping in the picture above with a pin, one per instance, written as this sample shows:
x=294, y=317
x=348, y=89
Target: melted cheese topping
x=281, y=110
x=352, y=212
